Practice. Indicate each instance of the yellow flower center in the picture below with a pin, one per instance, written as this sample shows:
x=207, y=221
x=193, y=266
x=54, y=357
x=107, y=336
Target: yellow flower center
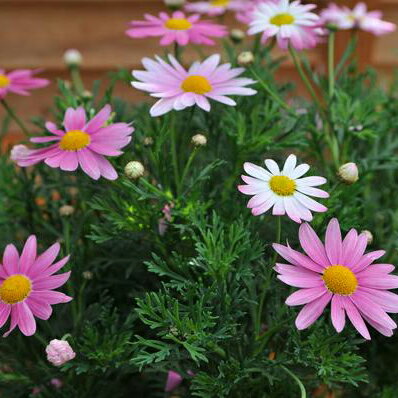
x=178, y=24
x=4, y=81
x=340, y=280
x=282, y=19
x=15, y=289
x=282, y=185
x=219, y=3
x=74, y=140
x=196, y=84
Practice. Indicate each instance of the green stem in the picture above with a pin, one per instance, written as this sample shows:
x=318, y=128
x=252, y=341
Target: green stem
x=177, y=51
x=174, y=157
x=264, y=291
x=76, y=79
x=297, y=380
x=188, y=165
x=269, y=91
x=13, y=115
x=304, y=77
x=332, y=36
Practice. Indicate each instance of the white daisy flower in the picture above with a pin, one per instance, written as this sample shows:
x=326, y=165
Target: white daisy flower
x=291, y=23
x=283, y=190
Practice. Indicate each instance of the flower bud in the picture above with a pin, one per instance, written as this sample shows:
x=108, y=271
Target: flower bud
x=73, y=57
x=348, y=173
x=88, y=275
x=245, y=58
x=59, y=352
x=19, y=152
x=87, y=95
x=148, y=141
x=134, y=170
x=174, y=4
x=369, y=236
x=66, y=210
x=199, y=140
x=237, y=35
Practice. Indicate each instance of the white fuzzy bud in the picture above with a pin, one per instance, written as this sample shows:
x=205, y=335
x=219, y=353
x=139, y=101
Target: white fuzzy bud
x=237, y=35
x=348, y=173
x=66, y=210
x=199, y=140
x=369, y=236
x=73, y=57
x=134, y=170
x=245, y=58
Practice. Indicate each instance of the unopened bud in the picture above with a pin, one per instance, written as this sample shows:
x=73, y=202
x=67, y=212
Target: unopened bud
x=66, y=210
x=348, y=173
x=148, y=141
x=88, y=275
x=369, y=236
x=19, y=152
x=237, y=35
x=134, y=170
x=199, y=140
x=73, y=57
x=245, y=58
x=87, y=95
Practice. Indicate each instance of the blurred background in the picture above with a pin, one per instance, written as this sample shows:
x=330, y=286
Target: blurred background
x=36, y=33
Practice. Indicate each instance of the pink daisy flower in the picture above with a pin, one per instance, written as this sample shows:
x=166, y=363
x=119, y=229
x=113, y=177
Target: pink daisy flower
x=177, y=28
x=359, y=17
x=216, y=7
x=291, y=23
x=27, y=283
x=83, y=143
x=179, y=88
x=20, y=81
x=339, y=272
x=283, y=190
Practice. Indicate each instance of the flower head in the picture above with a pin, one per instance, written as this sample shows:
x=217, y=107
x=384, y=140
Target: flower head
x=177, y=28
x=339, y=272
x=216, y=7
x=26, y=285
x=348, y=173
x=358, y=17
x=179, y=88
x=59, y=352
x=83, y=143
x=284, y=190
x=291, y=23
x=134, y=169
x=73, y=57
x=20, y=81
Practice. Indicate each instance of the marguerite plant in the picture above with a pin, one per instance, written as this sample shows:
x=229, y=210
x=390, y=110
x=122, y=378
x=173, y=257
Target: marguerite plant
x=83, y=143
x=177, y=28
x=339, y=271
x=285, y=190
x=27, y=284
x=179, y=88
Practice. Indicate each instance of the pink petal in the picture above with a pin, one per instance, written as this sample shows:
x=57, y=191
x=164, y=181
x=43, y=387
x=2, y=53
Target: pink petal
x=51, y=282
x=388, y=301
x=28, y=255
x=26, y=321
x=356, y=319
x=5, y=310
x=40, y=309
x=69, y=161
x=313, y=246
x=99, y=119
x=75, y=119
x=380, y=328
x=51, y=297
x=337, y=313
x=55, y=267
x=174, y=379
x=304, y=296
x=44, y=260
x=333, y=243
x=301, y=281
x=89, y=164
x=312, y=311
x=10, y=260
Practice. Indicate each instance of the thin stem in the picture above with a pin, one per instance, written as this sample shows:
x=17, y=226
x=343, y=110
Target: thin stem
x=13, y=115
x=77, y=79
x=264, y=291
x=304, y=77
x=297, y=380
x=188, y=165
x=174, y=156
x=269, y=91
x=332, y=36
x=177, y=51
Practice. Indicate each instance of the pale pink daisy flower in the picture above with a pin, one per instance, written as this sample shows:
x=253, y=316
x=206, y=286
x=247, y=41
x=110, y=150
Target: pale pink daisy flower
x=339, y=272
x=20, y=81
x=26, y=285
x=359, y=17
x=178, y=28
x=283, y=190
x=179, y=88
x=245, y=15
x=216, y=7
x=291, y=23
x=82, y=142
